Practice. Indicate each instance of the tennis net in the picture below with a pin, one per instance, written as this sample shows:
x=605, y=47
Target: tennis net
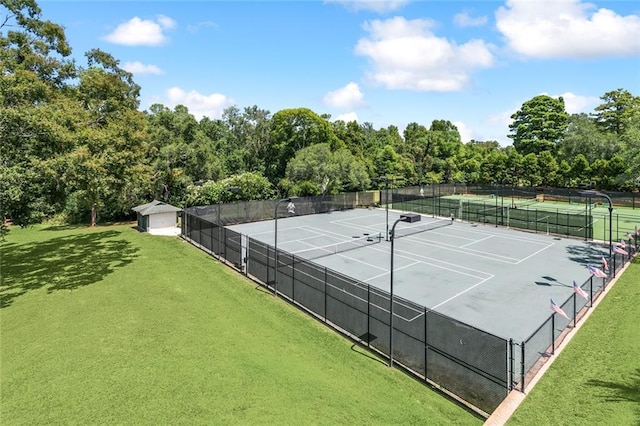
x=423, y=227
x=330, y=249
x=524, y=202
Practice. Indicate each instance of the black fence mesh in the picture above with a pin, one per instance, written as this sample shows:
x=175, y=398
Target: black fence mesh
x=496, y=212
x=475, y=365
x=552, y=332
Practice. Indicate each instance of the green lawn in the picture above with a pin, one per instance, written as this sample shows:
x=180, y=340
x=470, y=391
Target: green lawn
x=596, y=379
x=110, y=326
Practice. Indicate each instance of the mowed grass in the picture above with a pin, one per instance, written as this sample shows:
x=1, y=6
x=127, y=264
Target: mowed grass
x=596, y=379
x=110, y=326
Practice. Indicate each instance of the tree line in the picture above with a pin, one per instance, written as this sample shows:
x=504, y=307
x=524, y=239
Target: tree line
x=77, y=148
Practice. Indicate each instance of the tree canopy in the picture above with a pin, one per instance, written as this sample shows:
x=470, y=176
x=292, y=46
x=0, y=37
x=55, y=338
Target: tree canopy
x=76, y=147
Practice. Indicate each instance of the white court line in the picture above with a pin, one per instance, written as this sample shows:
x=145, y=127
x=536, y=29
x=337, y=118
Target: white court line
x=342, y=222
x=501, y=235
x=477, y=241
x=460, y=293
x=450, y=247
x=533, y=254
x=412, y=257
x=361, y=261
x=457, y=266
x=483, y=280
x=454, y=270
x=394, y=269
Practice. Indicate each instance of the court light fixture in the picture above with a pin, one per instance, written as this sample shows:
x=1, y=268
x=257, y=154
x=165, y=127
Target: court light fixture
x=407, y=218
x=291, y=209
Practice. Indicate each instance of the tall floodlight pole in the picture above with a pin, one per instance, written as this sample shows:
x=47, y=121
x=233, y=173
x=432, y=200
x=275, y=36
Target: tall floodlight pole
x=386, y=180
x=602, y=194
x=275, y=244
x=408, y=218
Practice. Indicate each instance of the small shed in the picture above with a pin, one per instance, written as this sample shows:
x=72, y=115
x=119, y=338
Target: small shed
x=158, y=218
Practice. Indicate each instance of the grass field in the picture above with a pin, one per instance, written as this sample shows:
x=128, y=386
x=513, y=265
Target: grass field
x=596, y=379
x=111, y=326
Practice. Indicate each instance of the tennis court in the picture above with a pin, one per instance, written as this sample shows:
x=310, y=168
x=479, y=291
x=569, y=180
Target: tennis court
x=496, y=279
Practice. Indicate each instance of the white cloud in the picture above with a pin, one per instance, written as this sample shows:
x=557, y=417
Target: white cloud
x=141, y=69
x=567, y=28
x=378, y=6
x=464, y=19
x=194, y=28
x=503, y=118
x=165, y=22
x=198, y=104
x=574, y=104
x=466, y=134
x=405, y=54
x=141, y=32
x=346, y=97
x=350, y=116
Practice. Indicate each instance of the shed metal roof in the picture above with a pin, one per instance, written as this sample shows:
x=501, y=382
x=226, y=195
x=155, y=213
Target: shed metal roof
x=155, y=207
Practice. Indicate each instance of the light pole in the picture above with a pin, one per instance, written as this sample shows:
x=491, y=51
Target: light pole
x=601, y=194
x=291, y=209
x=234, y=190
x=386, y=180
x=409, y=218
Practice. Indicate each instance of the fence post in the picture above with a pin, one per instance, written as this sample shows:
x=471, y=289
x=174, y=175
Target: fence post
x=553, y=334
x=368, y=315
x=522, y=353
x=325, y=295
x=614, y=267
x=426, y=345
x=293, y=278
x=511, y=364
x=591, y=291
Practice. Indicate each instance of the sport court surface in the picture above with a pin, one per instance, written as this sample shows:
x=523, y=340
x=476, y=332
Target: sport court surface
x=496, y=279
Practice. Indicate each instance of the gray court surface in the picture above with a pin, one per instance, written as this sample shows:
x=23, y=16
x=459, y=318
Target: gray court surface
x=496, y=279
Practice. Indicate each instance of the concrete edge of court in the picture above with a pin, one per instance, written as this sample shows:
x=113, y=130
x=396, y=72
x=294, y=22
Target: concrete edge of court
x=504, y=411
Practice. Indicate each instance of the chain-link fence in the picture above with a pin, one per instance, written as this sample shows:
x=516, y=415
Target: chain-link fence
x=475, y=365
x=536, y=349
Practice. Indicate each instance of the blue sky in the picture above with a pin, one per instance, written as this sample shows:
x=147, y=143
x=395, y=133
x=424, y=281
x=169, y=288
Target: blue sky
x=384, y=62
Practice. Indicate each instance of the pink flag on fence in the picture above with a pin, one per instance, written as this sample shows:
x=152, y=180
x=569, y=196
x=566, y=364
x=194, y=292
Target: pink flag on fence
x=620, y=250
x=605, y=265
x=555, y=308
x=596, y=272
x=579, y=291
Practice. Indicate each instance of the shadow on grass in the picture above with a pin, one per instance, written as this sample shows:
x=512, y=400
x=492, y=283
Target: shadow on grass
x=63, y=263
x=621, y=392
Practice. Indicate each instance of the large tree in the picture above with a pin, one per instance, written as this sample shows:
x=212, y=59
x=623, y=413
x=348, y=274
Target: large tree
x=106, y=145
x=538, y=125
x=583, y=136
x=34, y=72
x=292, y=130
x=617, y=110
x=317, y=169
